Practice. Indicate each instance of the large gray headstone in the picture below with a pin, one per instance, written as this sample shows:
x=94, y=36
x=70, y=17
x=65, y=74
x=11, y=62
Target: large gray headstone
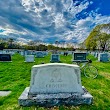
x=55, y=84
x=55, y=78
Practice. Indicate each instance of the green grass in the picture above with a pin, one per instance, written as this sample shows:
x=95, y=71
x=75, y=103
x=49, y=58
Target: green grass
x=15, y=76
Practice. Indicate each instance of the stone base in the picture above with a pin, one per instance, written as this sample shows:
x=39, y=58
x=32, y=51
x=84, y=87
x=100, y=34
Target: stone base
x=49, y=100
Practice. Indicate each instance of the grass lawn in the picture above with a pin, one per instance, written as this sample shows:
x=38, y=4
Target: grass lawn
x=15, y=76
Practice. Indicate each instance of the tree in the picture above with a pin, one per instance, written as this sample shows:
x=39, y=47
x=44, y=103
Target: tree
x=98, y=39
x=103, y=41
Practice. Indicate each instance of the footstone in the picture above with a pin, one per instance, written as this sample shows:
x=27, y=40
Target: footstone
x=4, y=93
x=60, y=85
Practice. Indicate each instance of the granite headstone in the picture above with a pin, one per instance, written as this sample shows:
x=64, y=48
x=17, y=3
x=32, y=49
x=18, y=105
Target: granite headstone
x=55, y=84
x=5, y=57
x=103, y=57
x=55, y=58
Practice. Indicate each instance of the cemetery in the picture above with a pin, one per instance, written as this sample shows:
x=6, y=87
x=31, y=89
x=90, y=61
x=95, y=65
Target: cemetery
x=57, y=86
x=54, y=55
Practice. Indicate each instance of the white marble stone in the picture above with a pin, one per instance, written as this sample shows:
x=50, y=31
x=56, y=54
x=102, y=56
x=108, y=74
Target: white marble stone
x=29, y=58
x=55, y=84
x=55, y=78
x=4, y=93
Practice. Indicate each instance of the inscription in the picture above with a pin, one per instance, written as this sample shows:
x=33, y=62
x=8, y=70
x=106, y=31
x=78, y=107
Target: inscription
x=55, y=85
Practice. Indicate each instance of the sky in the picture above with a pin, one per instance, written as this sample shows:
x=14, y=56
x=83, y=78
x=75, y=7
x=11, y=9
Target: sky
x=51, y=20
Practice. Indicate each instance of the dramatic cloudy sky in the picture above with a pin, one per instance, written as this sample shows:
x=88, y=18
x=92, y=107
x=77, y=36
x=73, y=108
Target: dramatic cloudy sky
x=51, y=20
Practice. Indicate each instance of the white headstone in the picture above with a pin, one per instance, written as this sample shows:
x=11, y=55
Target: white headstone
x=56, y=78
x=29, y=58
x=55, y=84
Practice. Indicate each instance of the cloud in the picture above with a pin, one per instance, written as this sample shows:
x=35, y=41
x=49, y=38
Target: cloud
x=49, y=20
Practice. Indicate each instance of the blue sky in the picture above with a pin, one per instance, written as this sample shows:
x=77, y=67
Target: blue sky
x=51, y=20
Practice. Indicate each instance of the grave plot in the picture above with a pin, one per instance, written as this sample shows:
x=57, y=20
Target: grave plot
x=55, y=84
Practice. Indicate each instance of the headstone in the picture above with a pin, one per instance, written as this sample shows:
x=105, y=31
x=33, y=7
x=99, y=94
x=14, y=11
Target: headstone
x=5, y=57
x=1, y=52
x=65, y=53
x=103, y=57
x=22, y=53
x=55, y=84
x=109, y=56
x=4, y=93
x=96, y=55
x=29, y=58
x=45, y=53
x=25, y=52
x=55, y=58
x=39, y=54
x=79, y=57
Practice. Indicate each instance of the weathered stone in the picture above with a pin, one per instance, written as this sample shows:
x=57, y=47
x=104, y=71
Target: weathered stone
x=49, y=100
x=4, y=93
x=55, y=84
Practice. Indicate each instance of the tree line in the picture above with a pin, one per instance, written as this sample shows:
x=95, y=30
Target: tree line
x=11, y=43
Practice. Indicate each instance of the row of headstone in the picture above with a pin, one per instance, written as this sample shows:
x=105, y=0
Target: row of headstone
x=55, y=84
x=13, y=51
x=30, y=58
x=54, y=58
x=23, y=52
x=102, y=57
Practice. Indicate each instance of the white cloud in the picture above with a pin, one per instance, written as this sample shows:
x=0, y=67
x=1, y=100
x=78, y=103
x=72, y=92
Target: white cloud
x=48, y=19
